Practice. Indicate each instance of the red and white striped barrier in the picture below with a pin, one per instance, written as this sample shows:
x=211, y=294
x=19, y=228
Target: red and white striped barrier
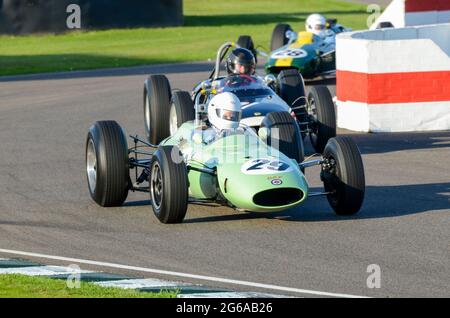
x=402, y=13
x=394, y=79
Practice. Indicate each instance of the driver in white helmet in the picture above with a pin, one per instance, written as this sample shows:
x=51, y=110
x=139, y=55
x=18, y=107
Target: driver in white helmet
x=224, y=115
x=316, y=24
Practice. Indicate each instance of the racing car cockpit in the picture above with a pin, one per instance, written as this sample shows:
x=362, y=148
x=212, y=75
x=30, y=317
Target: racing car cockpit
x=246, y=88
x=257, y=98
x=256, y=94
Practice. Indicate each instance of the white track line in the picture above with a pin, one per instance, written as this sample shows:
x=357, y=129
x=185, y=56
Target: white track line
x=185, y=275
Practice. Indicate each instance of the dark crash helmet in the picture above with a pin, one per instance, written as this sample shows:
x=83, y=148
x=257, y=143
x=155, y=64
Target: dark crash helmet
x=241, y=61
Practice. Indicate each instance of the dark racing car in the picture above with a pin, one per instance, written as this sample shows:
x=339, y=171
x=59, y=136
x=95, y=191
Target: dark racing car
x=259, y=96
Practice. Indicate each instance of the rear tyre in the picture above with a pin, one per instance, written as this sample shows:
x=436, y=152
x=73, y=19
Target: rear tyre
x=181, y=110
x=288, y=139
x=279, y=38
x=321, y=117
x=246, y=42
x=107, y=164
x=157, y=96
x=343, y=175
x=168, y=185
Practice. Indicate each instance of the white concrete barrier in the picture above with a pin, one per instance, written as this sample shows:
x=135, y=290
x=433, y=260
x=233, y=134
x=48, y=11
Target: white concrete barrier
x=402, y=13
x=394, y=79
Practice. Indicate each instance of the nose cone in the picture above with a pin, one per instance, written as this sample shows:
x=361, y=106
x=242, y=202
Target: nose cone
x=263, y=184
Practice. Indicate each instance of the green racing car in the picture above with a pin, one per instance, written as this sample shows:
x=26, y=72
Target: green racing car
x=311, y=52
x=245, y=170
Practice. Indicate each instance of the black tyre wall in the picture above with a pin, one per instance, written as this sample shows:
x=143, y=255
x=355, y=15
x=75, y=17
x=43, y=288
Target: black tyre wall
x=349, y=186
x=184, y=107
x=175, y=185
x=157, y=90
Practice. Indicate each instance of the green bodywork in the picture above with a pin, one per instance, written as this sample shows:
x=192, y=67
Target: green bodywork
x=307, y=56
x=232, y=157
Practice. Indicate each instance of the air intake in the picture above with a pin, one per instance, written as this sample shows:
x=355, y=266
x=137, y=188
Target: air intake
x=278, y=197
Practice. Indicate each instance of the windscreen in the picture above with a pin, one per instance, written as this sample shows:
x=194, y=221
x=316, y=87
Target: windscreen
x=247, y=88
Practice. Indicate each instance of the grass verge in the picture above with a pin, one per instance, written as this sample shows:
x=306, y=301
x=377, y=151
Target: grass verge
x=20, y=286
x=208, y=23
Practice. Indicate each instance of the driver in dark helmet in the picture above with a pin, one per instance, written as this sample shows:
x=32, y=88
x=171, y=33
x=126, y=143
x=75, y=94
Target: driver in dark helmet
x=241, y=62
x=241, y=66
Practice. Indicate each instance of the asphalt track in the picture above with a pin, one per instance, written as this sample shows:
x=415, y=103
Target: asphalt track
x=45, y=206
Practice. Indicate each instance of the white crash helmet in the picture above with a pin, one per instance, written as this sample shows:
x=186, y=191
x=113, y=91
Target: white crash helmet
x=316, y=24
x=224, y=111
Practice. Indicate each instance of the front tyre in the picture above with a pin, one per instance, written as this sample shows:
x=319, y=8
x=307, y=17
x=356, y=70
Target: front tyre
x=343, y=175
x=168, y=184
x=107, y=164
x=321, y=117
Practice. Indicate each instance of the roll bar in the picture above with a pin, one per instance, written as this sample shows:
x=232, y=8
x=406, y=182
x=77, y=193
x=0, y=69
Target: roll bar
x=220, y=55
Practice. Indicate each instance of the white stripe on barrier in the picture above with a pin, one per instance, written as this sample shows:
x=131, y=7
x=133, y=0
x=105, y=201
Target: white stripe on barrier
x=185, y=275
x=413, y=49
x=393, y=117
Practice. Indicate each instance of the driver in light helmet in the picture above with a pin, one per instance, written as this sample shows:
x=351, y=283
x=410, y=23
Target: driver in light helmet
x=316, y=24
x=224, y=115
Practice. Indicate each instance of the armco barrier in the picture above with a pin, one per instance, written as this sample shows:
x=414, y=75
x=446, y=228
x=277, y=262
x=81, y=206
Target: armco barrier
x=394, y=79
x=402, y=13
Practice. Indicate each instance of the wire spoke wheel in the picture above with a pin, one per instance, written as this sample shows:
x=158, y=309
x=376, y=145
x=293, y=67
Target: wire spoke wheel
x=331, y=181
x=313, y=127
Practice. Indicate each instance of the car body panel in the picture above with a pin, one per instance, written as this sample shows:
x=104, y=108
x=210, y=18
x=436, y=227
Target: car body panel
x=245, y=166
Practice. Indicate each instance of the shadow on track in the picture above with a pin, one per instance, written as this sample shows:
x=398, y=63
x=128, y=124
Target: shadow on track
x=373, y=143
x=379, y=143
x=381, y=202
x=321, y=81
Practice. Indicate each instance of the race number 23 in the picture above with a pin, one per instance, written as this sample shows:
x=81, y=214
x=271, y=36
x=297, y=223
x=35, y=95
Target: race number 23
x=265, y=166
x=290, y=53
